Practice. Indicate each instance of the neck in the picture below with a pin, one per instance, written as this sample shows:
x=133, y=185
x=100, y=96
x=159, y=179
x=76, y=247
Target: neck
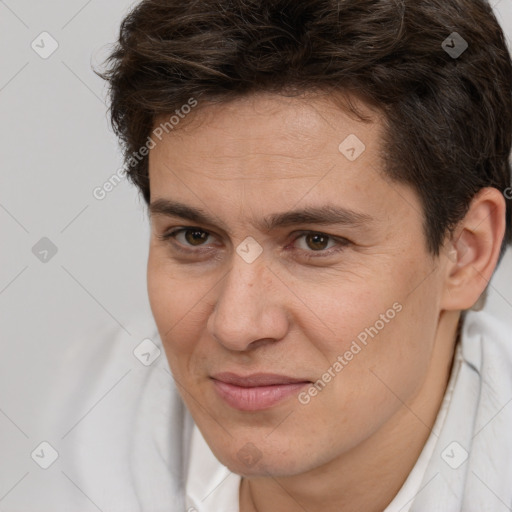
x=369, y=476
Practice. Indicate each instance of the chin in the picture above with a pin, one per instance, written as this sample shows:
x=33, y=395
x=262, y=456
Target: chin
x=252, y=463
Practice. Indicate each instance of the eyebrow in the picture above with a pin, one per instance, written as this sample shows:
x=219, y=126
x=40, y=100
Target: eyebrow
x=324, y=215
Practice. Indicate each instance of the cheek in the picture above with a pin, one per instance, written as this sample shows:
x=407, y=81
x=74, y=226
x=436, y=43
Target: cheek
x=359, y=391
x=176, y=306
x=337, y=312
x=386, y=357
x=372, y=333
x=161, y=298
x=172, y=291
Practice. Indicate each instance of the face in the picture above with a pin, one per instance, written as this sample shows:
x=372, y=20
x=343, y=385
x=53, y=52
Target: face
x=307, y=264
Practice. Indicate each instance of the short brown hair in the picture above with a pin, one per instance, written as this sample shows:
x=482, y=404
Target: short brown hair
x=449, y=118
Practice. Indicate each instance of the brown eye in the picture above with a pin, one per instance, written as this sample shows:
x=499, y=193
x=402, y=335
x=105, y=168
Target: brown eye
x=317, y=241
x=195, y=237
x=188, y=237
x=313, y=244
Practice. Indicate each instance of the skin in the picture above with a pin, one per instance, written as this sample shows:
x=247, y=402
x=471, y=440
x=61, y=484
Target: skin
x=352, y=446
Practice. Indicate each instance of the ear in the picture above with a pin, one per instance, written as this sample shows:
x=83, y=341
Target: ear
x=473, y=250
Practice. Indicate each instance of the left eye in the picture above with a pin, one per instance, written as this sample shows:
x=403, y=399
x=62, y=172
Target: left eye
x=316, y=242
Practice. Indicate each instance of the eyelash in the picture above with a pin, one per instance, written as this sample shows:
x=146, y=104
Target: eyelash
x=342, y=242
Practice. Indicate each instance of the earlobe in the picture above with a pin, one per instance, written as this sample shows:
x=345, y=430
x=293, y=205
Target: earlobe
x=473, y=250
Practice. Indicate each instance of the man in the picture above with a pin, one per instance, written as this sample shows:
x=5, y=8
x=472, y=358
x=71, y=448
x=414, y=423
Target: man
x=328, y=187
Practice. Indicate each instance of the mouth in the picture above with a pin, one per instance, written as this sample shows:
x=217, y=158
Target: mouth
x=257, y=391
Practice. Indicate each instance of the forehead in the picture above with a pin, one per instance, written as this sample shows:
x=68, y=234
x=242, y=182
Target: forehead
x=291, y=135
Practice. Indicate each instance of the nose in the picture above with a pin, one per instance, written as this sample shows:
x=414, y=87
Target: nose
x=250, y=309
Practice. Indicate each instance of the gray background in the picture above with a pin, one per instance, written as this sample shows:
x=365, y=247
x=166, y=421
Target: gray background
x=56, y=148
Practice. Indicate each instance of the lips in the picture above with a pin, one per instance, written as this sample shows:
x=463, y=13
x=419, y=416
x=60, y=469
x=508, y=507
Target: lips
x=256, y=391
x=256, y=379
